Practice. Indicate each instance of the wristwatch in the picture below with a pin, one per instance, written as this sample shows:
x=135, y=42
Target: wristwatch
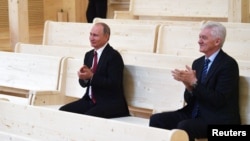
x=194, y=84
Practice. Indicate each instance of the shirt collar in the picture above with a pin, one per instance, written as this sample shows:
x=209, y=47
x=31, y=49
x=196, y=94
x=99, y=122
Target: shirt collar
x=212, y=57
x=100, y=50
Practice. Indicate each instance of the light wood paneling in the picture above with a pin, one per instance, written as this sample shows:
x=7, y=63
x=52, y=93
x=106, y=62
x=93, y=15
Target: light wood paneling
x=4, y=20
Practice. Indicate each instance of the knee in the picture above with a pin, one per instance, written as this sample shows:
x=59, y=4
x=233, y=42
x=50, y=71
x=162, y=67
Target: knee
x=185, y=125
x=153, y=120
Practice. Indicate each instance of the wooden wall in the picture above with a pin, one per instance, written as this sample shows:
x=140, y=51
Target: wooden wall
x=4, y=25
x=41, y=10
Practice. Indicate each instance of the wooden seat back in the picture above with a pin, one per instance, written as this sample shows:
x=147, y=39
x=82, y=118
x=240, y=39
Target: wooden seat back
x=123, y=36
x=51, y=50
x=134, y=37
x=21, y=73
x=156, y=60
x=69, y=85
x=69, y=88
x=183, y=40
x=151, y=88
x=66, y=34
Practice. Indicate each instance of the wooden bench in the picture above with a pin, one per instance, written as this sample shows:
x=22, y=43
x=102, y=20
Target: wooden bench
x=52, y=125
x=191, y=10
x=42, y=99
x=183, y=40
x=141, y=92
x=123, y=37
x=146, y=89
x=51, y=50
x=66, y=34
x=156, y=60
x=23, y=73
x=129, y=57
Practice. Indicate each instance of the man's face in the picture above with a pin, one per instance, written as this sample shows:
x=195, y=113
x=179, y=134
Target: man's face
x=208, y=43
x=97, y=37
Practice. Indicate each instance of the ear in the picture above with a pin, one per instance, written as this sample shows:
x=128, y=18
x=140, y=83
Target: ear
x=217, y=41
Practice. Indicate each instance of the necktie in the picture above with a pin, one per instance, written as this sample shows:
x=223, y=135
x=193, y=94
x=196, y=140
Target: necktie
x=94, y=70
x=195, y=111
x=204, y=71
x=95, y=62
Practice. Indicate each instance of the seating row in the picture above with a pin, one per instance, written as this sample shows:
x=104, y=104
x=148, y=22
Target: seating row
x=129, y=57
x=32, y=123
x=183, y=40
x=124, y=37
x=192, y=10
x=58, y=97
x=55, y=77
x=136, y=82
x=147, y=87
x=181, y=37
x=165, y=37
x=148, y=90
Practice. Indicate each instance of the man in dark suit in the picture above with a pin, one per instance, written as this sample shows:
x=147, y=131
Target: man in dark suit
x=104, y=96
x=96, y=8
x=211, y=94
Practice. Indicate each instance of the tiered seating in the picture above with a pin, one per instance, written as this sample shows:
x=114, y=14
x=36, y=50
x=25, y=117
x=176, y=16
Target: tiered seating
x=148, y=82
x=147, y=90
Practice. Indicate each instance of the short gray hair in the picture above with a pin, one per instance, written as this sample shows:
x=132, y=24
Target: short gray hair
x=217, y=30
x=106, y=28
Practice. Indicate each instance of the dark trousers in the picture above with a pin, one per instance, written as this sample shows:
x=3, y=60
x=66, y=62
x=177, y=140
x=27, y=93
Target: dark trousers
x=96, y=8
x=99, y=109
x=195, y=128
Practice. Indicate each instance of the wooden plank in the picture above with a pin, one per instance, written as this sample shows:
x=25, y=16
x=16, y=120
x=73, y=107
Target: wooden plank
x=123, y=37
x=5, y=136
x=156, y=60
x=23, y=73
x=52, y=50
x=48, y=124
x=182, y=40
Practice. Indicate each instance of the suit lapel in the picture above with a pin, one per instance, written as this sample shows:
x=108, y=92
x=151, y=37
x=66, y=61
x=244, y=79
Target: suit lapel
x=215, y=65
x=103, y=57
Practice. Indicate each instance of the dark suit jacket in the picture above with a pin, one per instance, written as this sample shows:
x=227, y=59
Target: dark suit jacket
x=218, y=98
x=107, y=82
